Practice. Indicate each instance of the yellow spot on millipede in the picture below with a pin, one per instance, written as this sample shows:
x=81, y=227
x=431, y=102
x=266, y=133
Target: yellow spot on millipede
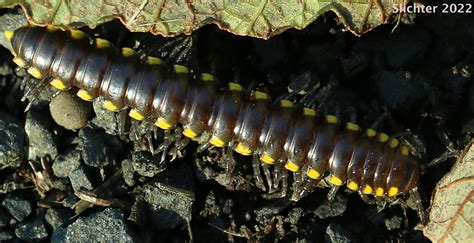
x=286, y=103
x=367, y=189
x=58, y=84
x=9, y=34
x=243, y=150
x=309, y=112
x=108, y=105
x=162, y=123
x=127, y=52
x=102, y=43
x=331, y=119
x=180, y=69
x=35, y=72
x=292, y=166
x=379, y=192
x=83, y=94
x=188, y=132
x=335, y=181
x=313, y=174
x=353, y=186
x=77, y=34
x=235, y=87
x=393, y=191
x=136, y=115
x=260, y=95
x=267, y=159
x=20, y=62
x=216, y=141
x=207, y=77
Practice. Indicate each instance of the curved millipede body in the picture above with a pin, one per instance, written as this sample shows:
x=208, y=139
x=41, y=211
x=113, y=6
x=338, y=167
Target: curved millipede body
x=281, y=135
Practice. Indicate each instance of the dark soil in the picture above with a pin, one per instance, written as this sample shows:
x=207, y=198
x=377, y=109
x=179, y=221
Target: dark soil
x=421, y=74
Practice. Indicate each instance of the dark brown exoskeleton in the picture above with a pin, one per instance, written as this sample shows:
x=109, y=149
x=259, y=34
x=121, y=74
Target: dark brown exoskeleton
x=193, y=108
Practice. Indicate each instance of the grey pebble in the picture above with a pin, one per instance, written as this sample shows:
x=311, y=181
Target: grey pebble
x=67, y=162
x=332, y=209
x=294, y=215
x=128, y=172
x=95, y=151
x=6, y=235
x=393, y=223
x=55, y=217
x=169, y=197
x=106, y=226
x=4, y=218
x=17, y=206
x=32, y=230
x=81, y=178
x=40, y=138
x=11, y=141
x=167, y=208
x=336, y=234
x=146, y=164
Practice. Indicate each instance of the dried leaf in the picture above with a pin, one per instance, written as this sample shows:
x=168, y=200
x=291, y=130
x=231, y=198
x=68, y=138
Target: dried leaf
x=257, y=18
x=452, y=210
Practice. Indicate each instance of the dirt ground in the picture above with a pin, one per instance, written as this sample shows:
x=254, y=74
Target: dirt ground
x=420, y=75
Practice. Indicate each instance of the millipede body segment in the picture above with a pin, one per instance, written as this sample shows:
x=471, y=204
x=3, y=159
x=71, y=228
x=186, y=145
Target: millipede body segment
x=298, y=140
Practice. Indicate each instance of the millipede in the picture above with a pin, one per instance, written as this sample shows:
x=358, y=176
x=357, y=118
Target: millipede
x=191, y=107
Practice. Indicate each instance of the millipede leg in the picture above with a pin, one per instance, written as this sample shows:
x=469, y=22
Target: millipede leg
x=277, y=174
x=121, y=126
x=33, y=91
x=284, y=183
x=177, y=136
x=163, y=148
x=366, y=198
x=298, y=178
x=268, y=175
x=256, y=172
x=230, y=161
x=332, y=193
x=419, y=203
x=377, y=123
x=307, y=188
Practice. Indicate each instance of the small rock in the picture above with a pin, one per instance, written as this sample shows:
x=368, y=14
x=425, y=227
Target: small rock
x=40, y=138
x=128, y=172
x=169, y=197
x=69, y=111
x=3, y=218
x=32, y=231
x=95, y=151
x=17, y=206
x=67, y=162
x=11, y=141
x=336, y=234
x=55, y=217
x=6, y=235
x=82, y=178
x=168, y=206
x=294, y=215
x=145, y=164
x=106, y=226
x=393, y=223
x=263, y=214
x=332, y=209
